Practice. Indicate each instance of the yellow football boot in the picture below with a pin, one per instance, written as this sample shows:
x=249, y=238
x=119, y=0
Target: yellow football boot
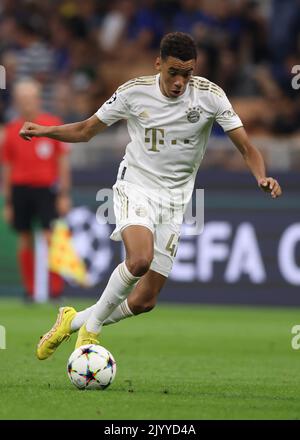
x=85, y=337
x=58, y=333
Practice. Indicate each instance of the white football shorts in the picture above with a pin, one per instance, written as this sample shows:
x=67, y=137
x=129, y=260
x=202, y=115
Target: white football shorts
x=134, y=205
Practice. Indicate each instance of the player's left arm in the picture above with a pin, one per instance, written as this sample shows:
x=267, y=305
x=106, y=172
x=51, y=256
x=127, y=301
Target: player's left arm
x=255, y=161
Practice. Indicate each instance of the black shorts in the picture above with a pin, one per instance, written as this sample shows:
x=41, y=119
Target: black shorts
x=33, y=204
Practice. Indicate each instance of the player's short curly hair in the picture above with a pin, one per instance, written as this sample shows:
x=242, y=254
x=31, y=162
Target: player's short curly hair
x=178, y=45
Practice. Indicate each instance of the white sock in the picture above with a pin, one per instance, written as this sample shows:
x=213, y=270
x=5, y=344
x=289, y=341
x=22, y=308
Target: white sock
x=121, y=312
x=81, y=318
x=118, y=288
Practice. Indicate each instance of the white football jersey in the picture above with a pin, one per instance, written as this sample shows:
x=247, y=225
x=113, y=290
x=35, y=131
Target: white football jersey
x=168, y=135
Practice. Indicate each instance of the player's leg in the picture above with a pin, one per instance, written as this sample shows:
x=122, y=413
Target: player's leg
x=141, y=299
x=21, y=221
x=26, y=261
x=144, y=296
x=139, y=253
x=138, y=241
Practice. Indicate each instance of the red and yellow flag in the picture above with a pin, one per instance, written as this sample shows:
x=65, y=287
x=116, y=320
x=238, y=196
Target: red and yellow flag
x=63, y=258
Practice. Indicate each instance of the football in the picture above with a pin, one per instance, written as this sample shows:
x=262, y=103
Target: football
x=91, y=367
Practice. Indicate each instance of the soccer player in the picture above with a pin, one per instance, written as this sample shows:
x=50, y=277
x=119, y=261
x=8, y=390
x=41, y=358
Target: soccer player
x=36, y=180
x=169, y=118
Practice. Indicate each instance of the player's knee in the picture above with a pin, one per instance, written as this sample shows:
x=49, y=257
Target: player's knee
x=139, y=265
x=144, y=307
x=149, y=306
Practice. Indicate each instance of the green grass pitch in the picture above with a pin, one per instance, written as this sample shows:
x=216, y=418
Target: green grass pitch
x=177, y=362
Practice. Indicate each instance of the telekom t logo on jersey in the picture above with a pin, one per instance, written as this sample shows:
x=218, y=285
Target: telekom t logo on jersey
x=2, y=77
x=156, y=136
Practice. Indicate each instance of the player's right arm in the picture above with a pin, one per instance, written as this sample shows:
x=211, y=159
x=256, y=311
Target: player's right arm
x=81, y=131
x=111, y=111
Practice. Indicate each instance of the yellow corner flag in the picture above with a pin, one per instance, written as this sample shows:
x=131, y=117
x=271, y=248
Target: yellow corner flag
x=63, y=258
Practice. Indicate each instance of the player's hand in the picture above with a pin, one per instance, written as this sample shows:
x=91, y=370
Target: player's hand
x=63, y=204
x=30, y=130
x=268, y=184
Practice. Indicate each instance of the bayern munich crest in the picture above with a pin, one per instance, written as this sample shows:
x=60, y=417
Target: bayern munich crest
x=193, y=114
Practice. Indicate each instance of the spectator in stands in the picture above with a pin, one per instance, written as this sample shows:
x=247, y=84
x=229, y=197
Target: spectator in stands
x=35, y=59
x=146, y=27
x=114, y=26
x=189, y=17
x=284, y=28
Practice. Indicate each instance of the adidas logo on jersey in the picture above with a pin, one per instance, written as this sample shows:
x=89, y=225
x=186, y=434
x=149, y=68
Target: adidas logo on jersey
x=144, y=115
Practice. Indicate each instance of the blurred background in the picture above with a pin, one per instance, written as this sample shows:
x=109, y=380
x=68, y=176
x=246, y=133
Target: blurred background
x=81, y=51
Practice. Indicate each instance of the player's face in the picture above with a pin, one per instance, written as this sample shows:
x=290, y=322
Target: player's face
x=174, y=75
